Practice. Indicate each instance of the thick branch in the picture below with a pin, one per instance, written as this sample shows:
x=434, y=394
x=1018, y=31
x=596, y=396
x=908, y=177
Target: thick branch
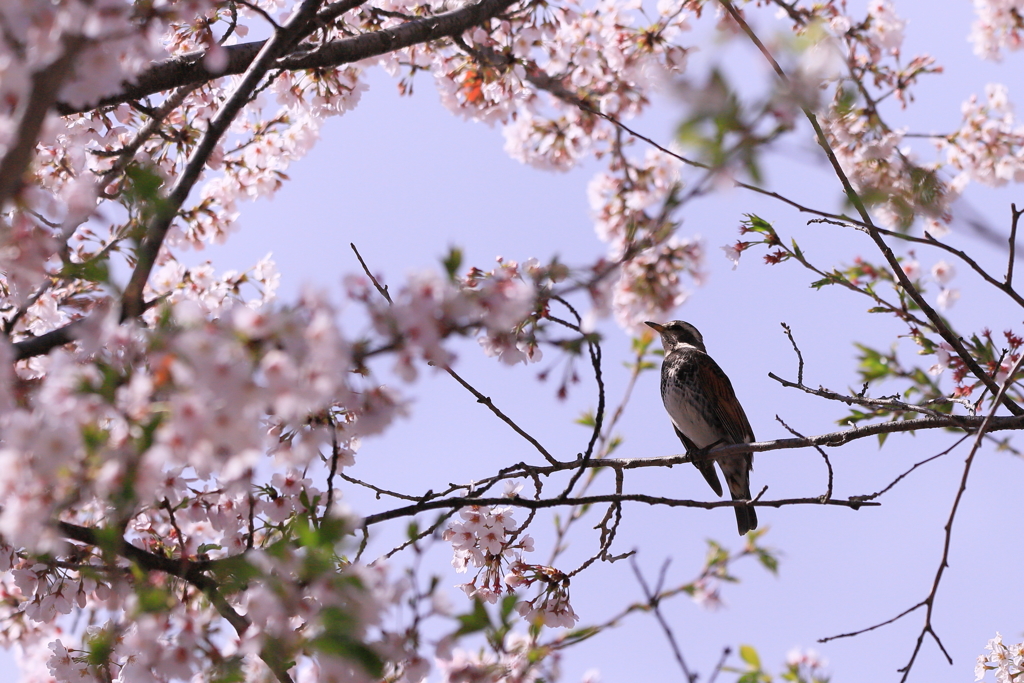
x=192, y=572
x=297, y=27
x=44, y=343
x=190, y=69
x=45, y=85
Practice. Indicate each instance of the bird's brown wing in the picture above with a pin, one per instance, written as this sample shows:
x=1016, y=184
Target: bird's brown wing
x=724, y=405
x=733, y=421
x=706, y=466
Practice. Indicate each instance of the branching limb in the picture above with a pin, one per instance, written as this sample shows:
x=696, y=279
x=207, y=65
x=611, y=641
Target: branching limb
x=936, y=320
x=191, y=68
x=193, y=572
x=928, y=240
x=653, y=604
x=853, y=503
x=42, y=95
x=928, y=628
x=442, y=500
x=929, y=602
x=295, y=29
x=828, y=491
x=889, y=404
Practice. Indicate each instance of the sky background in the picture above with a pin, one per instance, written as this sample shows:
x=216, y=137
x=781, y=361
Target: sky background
x=404, y=179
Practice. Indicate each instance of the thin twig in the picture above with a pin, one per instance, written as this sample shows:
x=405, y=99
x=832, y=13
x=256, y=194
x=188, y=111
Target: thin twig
x=851, y=634
x=380, y=288
x=821, y=451
x=486, y=401
x=928, y=628
x=653, y=602
x=936, y=320
x=377, y=490
x=721, y=664
x=483, y=400
x=595, y=360
x=916, y=465
x=1013, y=242
x=799, y=356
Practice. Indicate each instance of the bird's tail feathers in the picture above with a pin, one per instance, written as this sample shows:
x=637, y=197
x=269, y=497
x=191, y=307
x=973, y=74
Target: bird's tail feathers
x=739, y=489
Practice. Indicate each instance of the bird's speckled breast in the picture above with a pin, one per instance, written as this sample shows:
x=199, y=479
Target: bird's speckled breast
x=687, y=402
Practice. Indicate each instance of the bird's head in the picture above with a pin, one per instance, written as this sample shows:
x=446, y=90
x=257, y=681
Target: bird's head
x=676, y=334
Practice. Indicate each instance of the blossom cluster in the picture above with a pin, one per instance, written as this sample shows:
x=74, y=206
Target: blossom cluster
x=489, y=540
x=997, y=28
x=989, y=146
x=1007, y=661
x=161, y=430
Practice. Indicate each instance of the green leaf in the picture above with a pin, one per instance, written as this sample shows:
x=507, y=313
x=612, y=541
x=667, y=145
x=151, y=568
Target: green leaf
x=641, y=344
x=749, y=655
x=142, y=191
x=586, y=419
x=99, y=646
x=768, y=561
x=823, y=282
x=796, y=250
x=508, y=605
x=227, y=671
x=475, y=621
x=350, y=648
x=234, y=573
x=452, y=262
x=93, y=270
x=755, y=223
x=154, y=598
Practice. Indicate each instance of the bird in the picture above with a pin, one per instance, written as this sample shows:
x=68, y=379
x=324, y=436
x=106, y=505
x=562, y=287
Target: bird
x=705, y=413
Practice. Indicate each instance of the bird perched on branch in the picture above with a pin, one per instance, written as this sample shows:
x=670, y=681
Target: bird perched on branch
x=705, y=412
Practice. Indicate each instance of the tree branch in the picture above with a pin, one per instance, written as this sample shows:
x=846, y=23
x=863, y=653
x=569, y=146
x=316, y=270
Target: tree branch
x=929, y=601
x=46, y=83
x=940, y=325
x=191, y=68
x=854, y=503
x=297, y=27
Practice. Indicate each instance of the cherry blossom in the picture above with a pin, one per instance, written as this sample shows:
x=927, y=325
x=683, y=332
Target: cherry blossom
x=171, y=463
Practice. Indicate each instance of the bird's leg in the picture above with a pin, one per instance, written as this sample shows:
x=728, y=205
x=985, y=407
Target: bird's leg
x=701, y=454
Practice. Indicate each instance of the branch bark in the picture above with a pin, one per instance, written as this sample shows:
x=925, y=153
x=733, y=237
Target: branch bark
x=190, y=69
x=46, y=83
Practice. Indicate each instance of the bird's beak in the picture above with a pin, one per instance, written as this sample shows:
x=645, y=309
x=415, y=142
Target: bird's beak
x=655, y=326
